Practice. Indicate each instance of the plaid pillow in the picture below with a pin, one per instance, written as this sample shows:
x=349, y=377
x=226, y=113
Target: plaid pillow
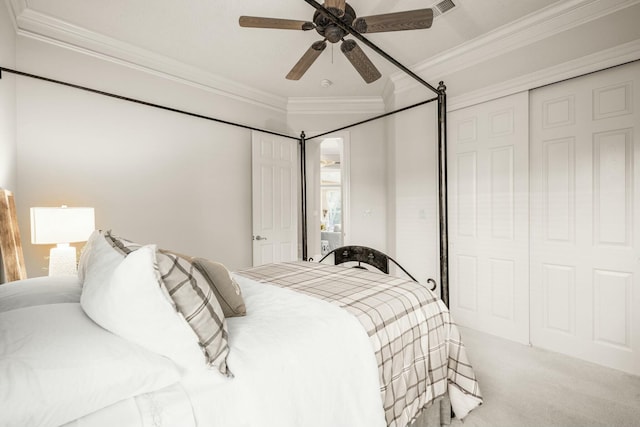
x=193, y=298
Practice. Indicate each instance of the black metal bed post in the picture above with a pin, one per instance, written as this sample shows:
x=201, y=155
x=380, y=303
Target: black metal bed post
x=303, y=187
x=442, y=192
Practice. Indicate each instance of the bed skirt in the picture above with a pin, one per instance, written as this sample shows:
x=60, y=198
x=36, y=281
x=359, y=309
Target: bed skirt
x=436, y=415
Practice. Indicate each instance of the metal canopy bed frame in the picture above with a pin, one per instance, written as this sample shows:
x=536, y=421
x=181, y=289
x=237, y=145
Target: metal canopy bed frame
x=440, y=97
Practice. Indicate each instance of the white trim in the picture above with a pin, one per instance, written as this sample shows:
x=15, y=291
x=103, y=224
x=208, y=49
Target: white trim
x=598, y=61
x=353, y=105
x=51, y=30
x=557, y=18
x=32, y=24
x=388, y=95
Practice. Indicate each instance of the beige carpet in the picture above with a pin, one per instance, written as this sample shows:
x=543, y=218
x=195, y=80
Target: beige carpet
x=525, y=386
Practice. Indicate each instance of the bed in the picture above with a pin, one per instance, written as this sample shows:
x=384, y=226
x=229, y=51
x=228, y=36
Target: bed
x=149, y=337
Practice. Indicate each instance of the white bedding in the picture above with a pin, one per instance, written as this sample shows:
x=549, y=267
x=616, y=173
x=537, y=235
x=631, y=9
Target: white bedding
x=38, y=291
x=169, y=407
x=57, y=365
x=292, y=368
x=297, y=361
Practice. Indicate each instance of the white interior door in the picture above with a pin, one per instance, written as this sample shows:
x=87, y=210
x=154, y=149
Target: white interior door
x=275, y=207
x=585, y=195
x=489, y=216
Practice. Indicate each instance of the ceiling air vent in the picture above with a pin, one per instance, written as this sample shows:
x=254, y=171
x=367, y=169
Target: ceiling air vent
x=442, y=7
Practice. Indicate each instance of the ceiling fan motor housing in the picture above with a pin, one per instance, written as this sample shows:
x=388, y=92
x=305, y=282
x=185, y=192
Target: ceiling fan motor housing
x=328, y=29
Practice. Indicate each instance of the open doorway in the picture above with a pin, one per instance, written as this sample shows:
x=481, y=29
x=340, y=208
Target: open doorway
x=331, y=211
x=330, y=194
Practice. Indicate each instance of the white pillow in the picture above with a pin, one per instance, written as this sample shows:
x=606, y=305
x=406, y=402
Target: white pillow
x=85, y=253
x=57, y=365
x=130, y=302
x=101, y=259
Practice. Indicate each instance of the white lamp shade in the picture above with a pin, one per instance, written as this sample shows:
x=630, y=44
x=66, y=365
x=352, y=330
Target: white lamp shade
x=61, y=225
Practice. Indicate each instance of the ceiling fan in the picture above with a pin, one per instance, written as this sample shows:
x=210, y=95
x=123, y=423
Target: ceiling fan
x=327, y=28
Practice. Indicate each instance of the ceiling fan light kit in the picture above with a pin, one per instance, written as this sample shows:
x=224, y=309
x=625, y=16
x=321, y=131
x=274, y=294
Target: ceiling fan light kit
x=333, y=32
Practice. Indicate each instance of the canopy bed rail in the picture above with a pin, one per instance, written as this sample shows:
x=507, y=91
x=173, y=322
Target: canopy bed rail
x=138, y=101
x=440, y=91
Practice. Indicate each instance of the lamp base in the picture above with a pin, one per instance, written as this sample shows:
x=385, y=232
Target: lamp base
x=62, y=261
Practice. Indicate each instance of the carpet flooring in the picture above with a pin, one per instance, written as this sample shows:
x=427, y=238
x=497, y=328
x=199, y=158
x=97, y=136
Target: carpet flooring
x=527, y=386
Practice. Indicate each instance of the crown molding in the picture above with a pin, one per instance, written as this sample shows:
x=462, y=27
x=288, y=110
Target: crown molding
x=45, y=28
x=388, y=95
x=618, y=55
x=336, y=105
x=557, y=18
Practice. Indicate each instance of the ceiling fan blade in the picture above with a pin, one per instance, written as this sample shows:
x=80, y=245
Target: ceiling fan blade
x=397, y=21
x=307, y=59
x=335, y=6
x=360, y=61
x=276, y=23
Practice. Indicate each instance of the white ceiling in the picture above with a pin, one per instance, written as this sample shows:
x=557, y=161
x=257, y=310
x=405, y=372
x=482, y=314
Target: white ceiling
x=203, y=38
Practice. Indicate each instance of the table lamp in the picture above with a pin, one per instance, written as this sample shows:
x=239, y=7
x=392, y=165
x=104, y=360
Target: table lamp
x=61, y=226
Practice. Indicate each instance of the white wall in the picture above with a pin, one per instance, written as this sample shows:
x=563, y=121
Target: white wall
x=7, y=103
x=8, y=175
x=368, y=173
x=153, y=176
x=412, y=159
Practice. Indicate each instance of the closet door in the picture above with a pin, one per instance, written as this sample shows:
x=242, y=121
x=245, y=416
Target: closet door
x=585, y=207
x=489, y=216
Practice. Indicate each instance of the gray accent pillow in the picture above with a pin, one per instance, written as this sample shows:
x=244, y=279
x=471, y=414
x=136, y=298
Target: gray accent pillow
x=224, y=286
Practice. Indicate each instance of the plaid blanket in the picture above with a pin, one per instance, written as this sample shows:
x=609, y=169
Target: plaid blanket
x=417, y=345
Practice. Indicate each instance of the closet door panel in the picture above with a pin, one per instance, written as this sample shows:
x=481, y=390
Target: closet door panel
x=489, y=210
x=585, y=206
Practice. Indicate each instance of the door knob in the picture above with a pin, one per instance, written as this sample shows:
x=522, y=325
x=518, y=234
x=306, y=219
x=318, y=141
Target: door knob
x=258, y=237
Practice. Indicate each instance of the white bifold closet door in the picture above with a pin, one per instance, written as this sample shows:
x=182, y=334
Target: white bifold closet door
x=585, y=217
x=488, y=162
